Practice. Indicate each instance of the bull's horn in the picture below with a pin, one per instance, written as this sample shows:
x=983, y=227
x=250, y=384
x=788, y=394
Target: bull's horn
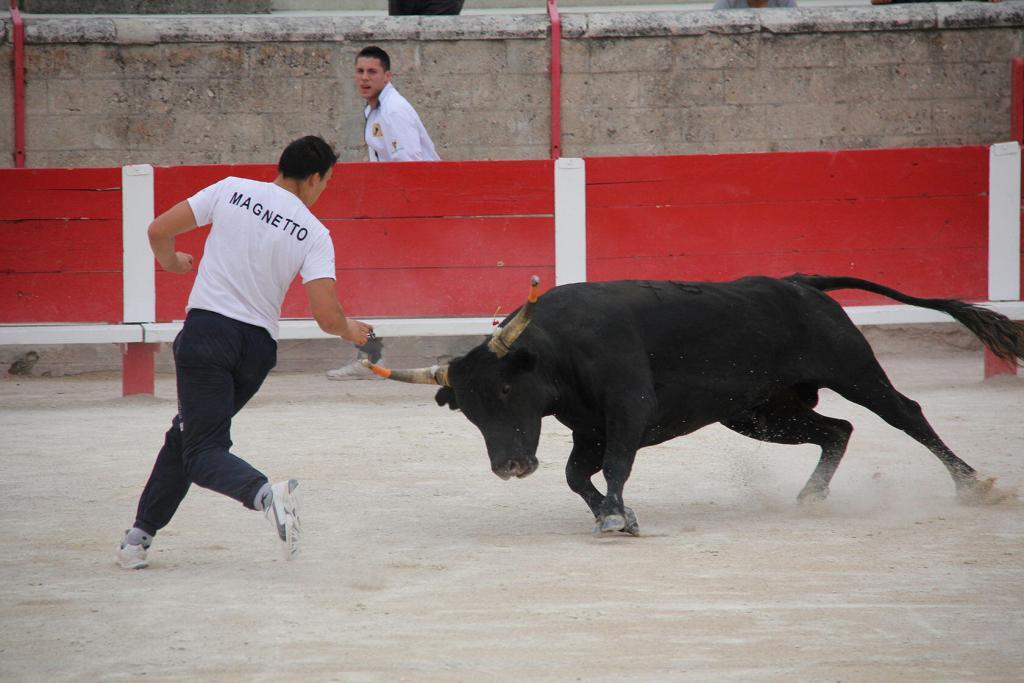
x=503, y=337
x=435, y=374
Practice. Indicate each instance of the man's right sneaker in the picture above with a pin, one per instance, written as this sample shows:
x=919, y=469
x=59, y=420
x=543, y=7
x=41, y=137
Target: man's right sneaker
x=132, y=556
x=283, y=513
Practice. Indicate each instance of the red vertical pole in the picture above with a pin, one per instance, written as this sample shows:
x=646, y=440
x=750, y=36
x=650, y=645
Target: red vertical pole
x=138, y=368
x=556, y=79
x=18, y=66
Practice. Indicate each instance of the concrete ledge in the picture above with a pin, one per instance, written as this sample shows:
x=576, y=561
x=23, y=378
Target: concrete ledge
x=328, y=27
x=792, y=21
x=141, y=30
x=144, y=6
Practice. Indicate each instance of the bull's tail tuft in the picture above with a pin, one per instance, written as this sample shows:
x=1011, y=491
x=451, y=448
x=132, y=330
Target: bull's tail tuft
x=1002, y=336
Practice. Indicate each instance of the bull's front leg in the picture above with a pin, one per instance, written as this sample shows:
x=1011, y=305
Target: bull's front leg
x=613, y=515
x=586, y=460
x=624, y=431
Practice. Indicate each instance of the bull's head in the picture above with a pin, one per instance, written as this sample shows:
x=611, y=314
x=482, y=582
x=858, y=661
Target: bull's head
x=498, y=389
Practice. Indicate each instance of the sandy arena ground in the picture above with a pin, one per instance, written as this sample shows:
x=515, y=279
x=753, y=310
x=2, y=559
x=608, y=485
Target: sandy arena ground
x=419, y=564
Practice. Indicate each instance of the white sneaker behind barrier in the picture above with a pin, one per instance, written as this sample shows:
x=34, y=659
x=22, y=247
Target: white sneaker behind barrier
x=354, y=370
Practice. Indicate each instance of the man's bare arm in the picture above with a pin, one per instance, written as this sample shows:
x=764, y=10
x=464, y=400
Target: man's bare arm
x=330, y=316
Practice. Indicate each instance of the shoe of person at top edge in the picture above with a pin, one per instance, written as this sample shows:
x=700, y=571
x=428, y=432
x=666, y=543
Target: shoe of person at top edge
x=353, y=370
x=283, y=513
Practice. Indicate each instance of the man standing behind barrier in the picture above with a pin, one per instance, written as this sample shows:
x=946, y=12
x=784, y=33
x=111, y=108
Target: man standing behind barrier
x=393, y=132
x=398, y=8
x=263, y=234
x=393, y=129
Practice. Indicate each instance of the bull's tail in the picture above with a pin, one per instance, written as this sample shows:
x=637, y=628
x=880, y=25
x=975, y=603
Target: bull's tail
x=1004, y=337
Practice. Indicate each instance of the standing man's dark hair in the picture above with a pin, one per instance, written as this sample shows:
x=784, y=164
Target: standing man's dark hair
x=262, y=236
x=424, y=7
x=374, y=52
x=306, y=156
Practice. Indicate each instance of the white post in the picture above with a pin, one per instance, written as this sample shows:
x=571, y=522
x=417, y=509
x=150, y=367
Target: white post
x=138, y=270
x=1004, y=222
x=570, y=221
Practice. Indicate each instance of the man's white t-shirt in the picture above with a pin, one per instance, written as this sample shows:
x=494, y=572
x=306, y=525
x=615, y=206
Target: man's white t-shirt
x=262, y=236
x=394, y=131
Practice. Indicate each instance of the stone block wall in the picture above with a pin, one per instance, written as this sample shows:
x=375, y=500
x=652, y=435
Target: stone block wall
x=235, y=89
x=690, y=86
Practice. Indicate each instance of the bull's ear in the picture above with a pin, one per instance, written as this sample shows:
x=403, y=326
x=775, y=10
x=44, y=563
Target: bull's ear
x=522, y=360
x=446, y=396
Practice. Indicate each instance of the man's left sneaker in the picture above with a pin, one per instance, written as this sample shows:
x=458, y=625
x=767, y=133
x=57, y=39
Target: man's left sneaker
x=283, y=513
x=132, y=556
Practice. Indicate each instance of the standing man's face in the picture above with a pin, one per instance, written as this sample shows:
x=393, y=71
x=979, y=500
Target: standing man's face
x=371, y=78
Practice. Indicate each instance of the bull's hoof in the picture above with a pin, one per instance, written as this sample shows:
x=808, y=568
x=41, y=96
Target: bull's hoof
x=983, y=492
x=609, y=523
x=812, y=495
x=631, y=528
x=626, y=523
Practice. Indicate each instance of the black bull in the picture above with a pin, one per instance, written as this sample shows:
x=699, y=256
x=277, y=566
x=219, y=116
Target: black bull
x=631, y=364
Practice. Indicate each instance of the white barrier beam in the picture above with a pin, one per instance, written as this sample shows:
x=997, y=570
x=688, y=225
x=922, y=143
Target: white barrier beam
x=913, y=315
x=570, y=221
x=138, y=271
x=46, y=334
x=383, y=327
x=1004, y=222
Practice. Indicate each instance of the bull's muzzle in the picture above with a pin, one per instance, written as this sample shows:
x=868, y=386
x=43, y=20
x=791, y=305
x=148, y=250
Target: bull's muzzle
x=514, y=468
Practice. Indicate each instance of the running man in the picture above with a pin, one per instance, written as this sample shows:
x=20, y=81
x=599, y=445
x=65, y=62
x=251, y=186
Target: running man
x=263, y=235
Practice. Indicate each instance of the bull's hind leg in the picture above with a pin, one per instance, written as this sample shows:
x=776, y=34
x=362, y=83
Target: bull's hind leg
x=787, y=418
x=584, y=462
x=874, y=391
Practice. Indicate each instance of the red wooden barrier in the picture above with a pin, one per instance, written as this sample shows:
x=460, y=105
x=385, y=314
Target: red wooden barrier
x=411, y=240
x=61, y=256
x=915, y=218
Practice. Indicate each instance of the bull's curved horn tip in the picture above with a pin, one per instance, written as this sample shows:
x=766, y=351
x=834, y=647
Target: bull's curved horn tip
x=375, y=369
x=534, y=283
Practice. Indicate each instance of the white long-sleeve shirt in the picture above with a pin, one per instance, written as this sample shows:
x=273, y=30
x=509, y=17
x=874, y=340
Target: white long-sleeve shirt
x=394, y=131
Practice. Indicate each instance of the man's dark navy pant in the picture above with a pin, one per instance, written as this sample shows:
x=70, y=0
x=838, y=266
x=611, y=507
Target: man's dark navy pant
x=220, y=363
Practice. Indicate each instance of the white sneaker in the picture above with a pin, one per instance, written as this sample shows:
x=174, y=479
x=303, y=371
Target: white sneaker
x=283, y=513
x=354, y=370
x=132, y=556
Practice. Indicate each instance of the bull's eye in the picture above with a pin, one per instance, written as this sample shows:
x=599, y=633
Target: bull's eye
x=506, y=389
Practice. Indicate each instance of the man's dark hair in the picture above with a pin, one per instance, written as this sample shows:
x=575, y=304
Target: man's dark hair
x=306, y=156
x=376, y=53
